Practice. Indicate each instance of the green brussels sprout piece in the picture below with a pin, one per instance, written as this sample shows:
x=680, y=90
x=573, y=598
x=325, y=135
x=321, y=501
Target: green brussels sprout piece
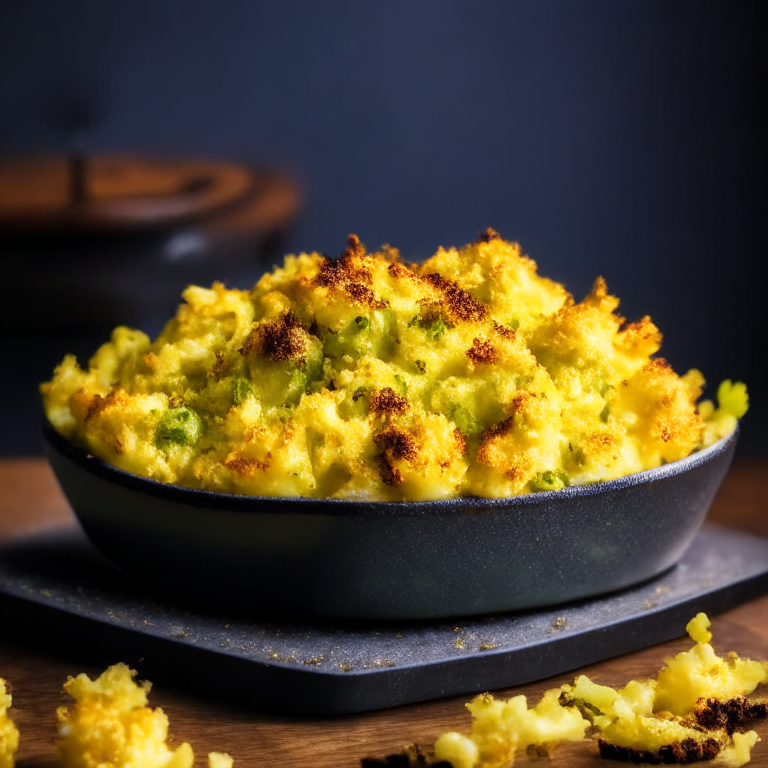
x=465, y=422
x=362, y=323
x=402, y=384
x=549, y=481
x=604, y=413
x=178, y=426
x=241, y=388
x=433, y=329
x=421, y=366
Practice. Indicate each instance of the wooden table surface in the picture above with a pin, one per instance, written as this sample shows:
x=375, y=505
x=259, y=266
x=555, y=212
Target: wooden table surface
x=30, y=501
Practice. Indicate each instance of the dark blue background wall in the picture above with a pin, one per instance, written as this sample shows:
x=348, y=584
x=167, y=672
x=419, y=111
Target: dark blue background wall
x=621, y=139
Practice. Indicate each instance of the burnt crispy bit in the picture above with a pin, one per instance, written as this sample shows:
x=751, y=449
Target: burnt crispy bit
x=399, y=270
x=248, y=467
x=389, y=475
x=386, y=401
x=482, y=352
x=98, y=404
x=348, y=275
x=499, y=429
x=362, y=294
x=354, y=246
x=281, y=339
x=220, y=366
x=397, y=443
x=391, y=761
x=677, y=753
x=457, y=302
x=658, y=366
x=487, y=235
x=730, y=715
x=461, y=441
x=502, y=330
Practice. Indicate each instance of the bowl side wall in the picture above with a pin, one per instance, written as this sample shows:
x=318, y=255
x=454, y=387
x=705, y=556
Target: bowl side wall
x=446, y=562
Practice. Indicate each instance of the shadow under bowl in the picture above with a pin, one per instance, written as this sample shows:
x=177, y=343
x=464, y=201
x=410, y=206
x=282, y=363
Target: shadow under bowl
x=334, y=558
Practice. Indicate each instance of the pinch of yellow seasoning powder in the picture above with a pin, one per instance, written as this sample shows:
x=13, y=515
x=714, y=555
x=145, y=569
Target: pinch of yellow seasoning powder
x=9, y=733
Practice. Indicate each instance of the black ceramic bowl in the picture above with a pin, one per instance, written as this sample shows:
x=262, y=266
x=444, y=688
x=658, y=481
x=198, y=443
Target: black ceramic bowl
x=391, y=560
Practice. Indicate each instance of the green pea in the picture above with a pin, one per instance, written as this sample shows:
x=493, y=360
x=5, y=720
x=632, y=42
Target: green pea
x=435, y=329
x=549, y=481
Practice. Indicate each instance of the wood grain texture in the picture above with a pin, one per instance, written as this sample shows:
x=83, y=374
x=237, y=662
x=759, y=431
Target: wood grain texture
x=30, y=500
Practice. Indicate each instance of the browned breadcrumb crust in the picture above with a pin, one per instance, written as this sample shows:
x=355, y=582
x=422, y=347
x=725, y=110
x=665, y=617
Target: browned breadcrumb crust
x=220, y=366
x=519, y=404
x=710, y=715
x=397, y=443
x=461, y=441
x=398, y=270
x=459, y=304
x=281, y=339
x=641, y=329
x=658, y=365
x=487, y=235
x=387, y=402
x=115, y=396
x=482, y=352
x=502, y=330
x=678, y=753
x=348, y=275
x=389, y=475
x=248, y=467
x=738, y=712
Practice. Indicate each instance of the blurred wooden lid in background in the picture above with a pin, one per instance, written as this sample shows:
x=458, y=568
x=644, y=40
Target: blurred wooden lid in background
x=101, y=240
x=120, y=193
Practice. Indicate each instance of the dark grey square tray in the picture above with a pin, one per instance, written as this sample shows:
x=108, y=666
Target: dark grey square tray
x=55, y=585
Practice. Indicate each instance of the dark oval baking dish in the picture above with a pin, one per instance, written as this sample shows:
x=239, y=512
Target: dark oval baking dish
x=390, y=560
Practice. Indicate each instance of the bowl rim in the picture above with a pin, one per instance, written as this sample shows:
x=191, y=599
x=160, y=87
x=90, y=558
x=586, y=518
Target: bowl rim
x=196, y=497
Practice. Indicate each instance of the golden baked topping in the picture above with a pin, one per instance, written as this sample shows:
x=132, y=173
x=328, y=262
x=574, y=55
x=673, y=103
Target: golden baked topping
x=370, y=377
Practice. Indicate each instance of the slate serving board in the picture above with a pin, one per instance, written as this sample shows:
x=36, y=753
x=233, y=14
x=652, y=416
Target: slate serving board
x=56, y=589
